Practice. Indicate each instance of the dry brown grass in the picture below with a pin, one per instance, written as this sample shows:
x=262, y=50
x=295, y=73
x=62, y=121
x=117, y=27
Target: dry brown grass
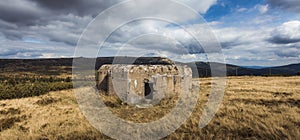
x=253, y=108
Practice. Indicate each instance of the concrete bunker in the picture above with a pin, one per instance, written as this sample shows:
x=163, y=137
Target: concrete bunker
x=134, y=83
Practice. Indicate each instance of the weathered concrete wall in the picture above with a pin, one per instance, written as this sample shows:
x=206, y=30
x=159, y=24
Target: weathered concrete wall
x=133, y=82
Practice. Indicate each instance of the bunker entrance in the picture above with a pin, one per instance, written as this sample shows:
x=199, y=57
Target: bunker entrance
x=148, y=90
x=104, y=84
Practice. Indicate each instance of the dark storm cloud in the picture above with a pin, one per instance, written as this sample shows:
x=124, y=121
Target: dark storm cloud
x=52, y=20
x=15, y=15
x=20, y=11
x=288, y=53
x=290, y=5
x=78, y=7
x=230, y=44
x=283, y=40
x=32, y=28
x=8, y=53
x=31, y=12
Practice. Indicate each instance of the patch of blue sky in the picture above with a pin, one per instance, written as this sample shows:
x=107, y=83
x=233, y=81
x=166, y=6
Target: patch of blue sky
x=227, y=7
x=228, y=12
x=33, y=40
x=246, y=13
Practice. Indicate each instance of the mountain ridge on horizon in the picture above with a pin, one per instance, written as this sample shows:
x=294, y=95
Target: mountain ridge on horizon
x=244, y=66
x=202, y=67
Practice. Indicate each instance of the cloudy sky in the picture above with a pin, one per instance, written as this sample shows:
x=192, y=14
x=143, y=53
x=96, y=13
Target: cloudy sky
x=251, y=32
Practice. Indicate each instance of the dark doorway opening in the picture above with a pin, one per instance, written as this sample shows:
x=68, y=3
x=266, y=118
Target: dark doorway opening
x=103, y=86
x=148, y=90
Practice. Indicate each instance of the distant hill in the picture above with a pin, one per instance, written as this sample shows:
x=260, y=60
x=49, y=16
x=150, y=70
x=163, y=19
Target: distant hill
x=254, y=67
x=37, y=66
x=233, y=70
x=203, y=68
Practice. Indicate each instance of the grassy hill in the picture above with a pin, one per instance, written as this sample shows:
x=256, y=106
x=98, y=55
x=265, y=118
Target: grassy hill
x=252, y=108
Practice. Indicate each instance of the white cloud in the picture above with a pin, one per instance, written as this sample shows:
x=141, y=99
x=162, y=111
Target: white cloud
x=59, y=28
x=252, y=46
x=287, y=33
x=18, y=49
x=199, y=5
x=242, y=9
x=262, y=8
x=62, y=22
